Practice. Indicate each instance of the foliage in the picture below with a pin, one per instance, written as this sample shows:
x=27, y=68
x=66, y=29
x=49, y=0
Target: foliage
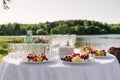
x=5, y=4
x=78, y=27
x=3, y=52
x=41, y=32
x=11, y=39
x=4, y=45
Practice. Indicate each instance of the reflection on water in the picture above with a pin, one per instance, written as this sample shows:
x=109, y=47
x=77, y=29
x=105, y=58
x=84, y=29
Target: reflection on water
x=101, y=41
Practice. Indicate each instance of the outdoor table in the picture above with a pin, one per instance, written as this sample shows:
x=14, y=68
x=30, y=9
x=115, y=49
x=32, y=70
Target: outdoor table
x=103, y=68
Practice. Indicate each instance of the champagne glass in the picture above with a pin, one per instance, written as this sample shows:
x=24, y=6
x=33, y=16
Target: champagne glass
x=72, y=39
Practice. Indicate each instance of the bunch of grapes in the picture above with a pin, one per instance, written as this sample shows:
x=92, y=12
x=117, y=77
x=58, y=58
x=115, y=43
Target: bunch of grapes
x=67, y=58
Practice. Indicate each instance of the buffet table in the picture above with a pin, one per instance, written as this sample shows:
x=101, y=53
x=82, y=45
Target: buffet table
x=106, y=68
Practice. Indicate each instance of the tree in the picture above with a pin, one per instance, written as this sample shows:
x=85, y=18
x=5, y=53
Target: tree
x=61, y=29
x=2, y=30
x=17, y=29
x=86, y=24
x=41, y=32
x=47, y=27
x=93, y=30
x=5, y=4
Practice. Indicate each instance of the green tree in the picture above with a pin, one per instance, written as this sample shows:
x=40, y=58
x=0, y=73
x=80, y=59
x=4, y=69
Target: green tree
x=17, y=29
x=86, y=23
x=92, y=30
x=2, y=30
x=5, y=4
x=47, y=27
x=9, y=29
x=41, y=32
x=61, y=29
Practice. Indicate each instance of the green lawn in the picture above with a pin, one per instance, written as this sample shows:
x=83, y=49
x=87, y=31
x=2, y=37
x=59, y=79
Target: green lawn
x=11, y=39
x=4, y=42
x=3, y=52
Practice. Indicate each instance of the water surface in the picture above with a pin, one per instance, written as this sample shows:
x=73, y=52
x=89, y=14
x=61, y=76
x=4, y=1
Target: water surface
x=100, y=41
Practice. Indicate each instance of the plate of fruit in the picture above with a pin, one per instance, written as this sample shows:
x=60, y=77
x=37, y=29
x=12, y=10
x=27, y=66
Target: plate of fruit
x=76, y=58
x=35, y=58
x=99, y=53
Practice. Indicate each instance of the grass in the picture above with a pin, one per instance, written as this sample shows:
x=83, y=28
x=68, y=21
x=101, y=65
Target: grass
x=4, y=42
x=11, y=39
x=3, y=52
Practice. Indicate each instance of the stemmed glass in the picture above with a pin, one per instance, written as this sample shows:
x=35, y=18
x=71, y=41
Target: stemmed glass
x=15, y=50
x=72, y=39
x=54, y=45
x=65, y=40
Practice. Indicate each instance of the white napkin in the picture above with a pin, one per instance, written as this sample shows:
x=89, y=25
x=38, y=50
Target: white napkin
x=65, y=51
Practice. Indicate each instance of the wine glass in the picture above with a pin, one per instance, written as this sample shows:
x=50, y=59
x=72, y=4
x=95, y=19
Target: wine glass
x=72, y=39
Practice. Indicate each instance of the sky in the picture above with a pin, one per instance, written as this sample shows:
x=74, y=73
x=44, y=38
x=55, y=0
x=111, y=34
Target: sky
x=36, y=11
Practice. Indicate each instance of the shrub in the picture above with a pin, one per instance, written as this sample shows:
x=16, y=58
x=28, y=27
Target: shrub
x=3, y=52
x=4, y=44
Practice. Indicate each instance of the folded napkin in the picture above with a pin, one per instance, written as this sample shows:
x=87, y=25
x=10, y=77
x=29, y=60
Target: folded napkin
x=66, y=50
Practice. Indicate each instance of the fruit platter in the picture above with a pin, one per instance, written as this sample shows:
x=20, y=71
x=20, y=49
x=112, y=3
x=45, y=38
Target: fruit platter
x=42, y=39
x=93, y=51
x=98, y=53
x=76, y=58
x=87, y=49
x=35, y=58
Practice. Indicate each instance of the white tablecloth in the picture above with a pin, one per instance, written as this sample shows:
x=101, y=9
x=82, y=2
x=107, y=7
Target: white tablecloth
x=106, y=68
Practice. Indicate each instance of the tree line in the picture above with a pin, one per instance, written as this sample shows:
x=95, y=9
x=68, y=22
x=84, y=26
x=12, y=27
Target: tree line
x=78, y=27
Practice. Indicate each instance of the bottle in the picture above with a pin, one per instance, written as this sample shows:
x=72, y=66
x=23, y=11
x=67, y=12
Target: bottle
x=28, y=38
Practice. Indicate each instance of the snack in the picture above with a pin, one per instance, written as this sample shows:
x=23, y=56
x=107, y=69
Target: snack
x=100, y=53
x=87, y=49
x=35, y=57
x=75, y=57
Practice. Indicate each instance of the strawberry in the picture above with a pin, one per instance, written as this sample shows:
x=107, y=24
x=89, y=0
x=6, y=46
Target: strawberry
x=74, y=55
x=35, y=59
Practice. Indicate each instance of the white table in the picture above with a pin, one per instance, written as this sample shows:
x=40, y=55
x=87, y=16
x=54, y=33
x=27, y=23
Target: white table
x=106, y=68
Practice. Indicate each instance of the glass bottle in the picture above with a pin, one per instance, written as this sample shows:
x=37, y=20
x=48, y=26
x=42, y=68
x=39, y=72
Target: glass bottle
x=28, y=38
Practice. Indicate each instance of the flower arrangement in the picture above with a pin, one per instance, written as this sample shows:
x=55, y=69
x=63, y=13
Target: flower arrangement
x=42, y=39
x=115, y=51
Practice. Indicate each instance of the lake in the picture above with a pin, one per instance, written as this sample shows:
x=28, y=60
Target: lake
x=100, y=41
